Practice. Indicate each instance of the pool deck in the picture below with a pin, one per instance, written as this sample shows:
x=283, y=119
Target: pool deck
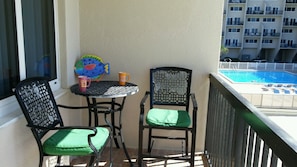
x=286, y=89
x=268, y=95
x=277, y=101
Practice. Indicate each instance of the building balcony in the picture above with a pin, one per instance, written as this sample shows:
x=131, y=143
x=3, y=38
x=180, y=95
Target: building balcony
x=290, y=23
x=268, y=45
x=237, y=1
x=279, y=12
x=235, y=23
x=256, y=12
x=291, y=1
x=234, y=45
x=293, y=46
x=272, y=34
x=250, y=46
x=252, y=34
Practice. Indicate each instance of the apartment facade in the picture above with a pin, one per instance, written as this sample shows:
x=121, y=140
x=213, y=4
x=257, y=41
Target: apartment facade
x=260, y=30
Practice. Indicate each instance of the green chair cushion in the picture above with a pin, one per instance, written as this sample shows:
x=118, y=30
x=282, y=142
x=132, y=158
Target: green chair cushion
x=74, y=141
x=168, y=118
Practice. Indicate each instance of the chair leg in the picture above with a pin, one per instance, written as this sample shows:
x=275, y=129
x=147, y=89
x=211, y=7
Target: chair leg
x=187, y=143
x=149, y=146
x=192, y=160
x=193, y=146
x=40, y=160
x=140, y=143
x=91, y=160
x=59, y=160
x=110, y=152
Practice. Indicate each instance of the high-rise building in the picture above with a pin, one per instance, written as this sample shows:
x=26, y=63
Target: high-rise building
x=260, y=30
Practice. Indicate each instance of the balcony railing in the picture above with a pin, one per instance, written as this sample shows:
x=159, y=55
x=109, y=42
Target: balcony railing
x=238, y=134
x=233, y=45
x=275, y=34
x=252, y=34
x=291, y=1
x=271, y=12
x=259, y=65
x=237, y=1
x=255, y=12
x=290, y=23
x=235, y=23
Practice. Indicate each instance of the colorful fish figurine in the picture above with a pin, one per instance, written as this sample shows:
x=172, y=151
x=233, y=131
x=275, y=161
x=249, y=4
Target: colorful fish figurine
x=91, y=66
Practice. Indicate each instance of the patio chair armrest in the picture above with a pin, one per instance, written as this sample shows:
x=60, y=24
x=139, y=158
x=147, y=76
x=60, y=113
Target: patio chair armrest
x=195, y=109
x=76, y=127
x=142, y=104
x=143, y=100
x=194, y=101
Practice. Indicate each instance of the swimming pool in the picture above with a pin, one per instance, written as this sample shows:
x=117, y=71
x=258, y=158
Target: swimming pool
x=265, y=77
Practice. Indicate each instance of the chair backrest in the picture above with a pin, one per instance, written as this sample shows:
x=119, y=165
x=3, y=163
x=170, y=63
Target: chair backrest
x=170, y=86
x=37, y=102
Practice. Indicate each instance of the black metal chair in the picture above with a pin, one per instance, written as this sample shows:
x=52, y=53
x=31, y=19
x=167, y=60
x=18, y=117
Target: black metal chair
x=42, y=114
x=169, y=86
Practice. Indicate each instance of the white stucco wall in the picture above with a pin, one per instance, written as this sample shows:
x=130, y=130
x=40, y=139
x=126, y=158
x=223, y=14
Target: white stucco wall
x=133, y=36
x=136, y=35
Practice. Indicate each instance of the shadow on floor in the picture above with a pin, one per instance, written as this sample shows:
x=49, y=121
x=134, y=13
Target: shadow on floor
x=120, y=160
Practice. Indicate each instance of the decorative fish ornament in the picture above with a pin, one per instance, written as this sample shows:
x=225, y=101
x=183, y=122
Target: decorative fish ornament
x=91, y=66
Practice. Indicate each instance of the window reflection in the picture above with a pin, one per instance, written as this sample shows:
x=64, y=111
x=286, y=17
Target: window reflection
x=9, y=69
x=39, y=43
x=39, y=38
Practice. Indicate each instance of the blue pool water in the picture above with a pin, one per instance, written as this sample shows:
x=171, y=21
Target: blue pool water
x=241, y=76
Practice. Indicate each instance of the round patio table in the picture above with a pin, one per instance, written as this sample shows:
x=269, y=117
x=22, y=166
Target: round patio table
x=107, y=90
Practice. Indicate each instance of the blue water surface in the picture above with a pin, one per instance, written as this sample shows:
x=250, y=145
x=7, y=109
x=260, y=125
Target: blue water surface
x=260, y=76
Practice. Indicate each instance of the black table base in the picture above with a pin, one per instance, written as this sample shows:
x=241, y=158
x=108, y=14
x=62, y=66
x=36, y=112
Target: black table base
x=107, y=90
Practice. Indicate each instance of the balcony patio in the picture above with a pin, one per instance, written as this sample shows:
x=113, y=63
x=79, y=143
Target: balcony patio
x=134, y=36
x=238, y=134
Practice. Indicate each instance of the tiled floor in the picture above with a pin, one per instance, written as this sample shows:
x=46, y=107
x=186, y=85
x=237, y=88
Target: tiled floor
x=120, y=160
